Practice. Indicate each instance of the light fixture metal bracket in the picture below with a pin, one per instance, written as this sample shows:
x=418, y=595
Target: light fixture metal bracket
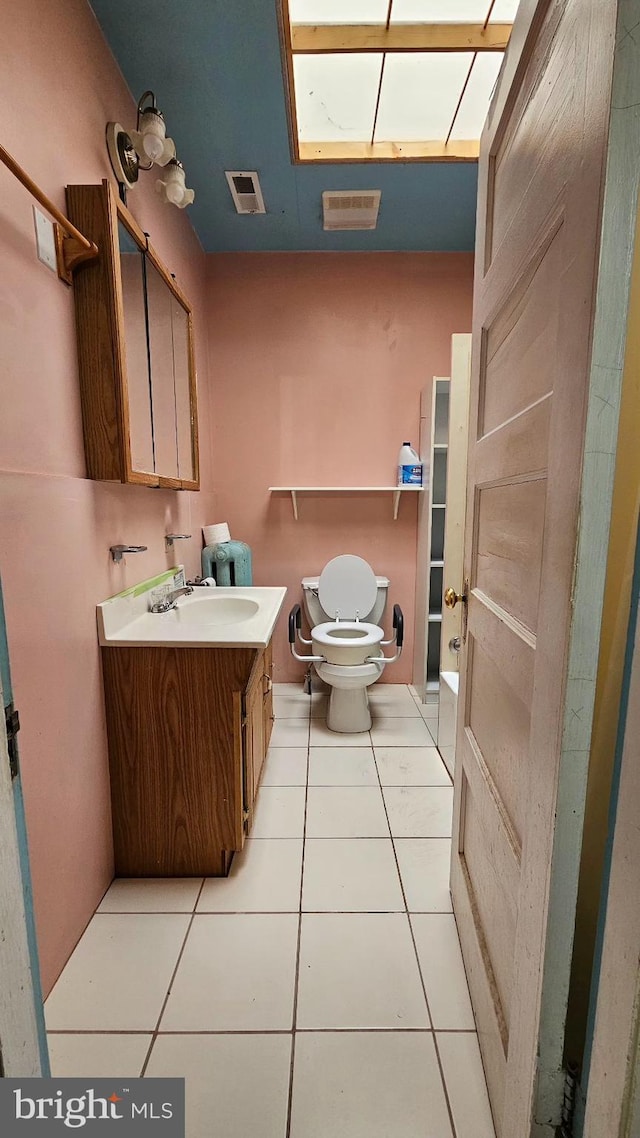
x=125, y=162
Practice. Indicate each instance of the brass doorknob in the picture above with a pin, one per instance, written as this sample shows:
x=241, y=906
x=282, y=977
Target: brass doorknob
x=451, y=598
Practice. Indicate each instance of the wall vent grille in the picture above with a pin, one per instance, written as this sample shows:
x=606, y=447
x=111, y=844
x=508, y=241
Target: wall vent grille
x=350, y=209
x=245, y=191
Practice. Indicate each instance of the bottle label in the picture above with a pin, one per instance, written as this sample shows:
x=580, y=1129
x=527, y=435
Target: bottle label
x=410, y=475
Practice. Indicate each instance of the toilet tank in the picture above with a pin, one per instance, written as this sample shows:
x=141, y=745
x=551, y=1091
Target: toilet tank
x=316, y=613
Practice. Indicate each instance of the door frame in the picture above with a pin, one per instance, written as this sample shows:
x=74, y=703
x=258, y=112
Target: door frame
x=23, y=1040
x=612, y=1079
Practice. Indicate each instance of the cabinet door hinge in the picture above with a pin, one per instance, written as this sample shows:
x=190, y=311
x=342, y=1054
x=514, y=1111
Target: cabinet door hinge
x=12, y=724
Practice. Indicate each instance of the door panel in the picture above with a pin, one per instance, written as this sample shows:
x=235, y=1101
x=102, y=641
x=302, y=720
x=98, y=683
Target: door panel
x=518, y=370
x=510, y=520
x=541, y=168
x=499, y=723
x=527, y=170
x=493, y=872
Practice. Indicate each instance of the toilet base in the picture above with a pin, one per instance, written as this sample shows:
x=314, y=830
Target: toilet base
x=348, y=710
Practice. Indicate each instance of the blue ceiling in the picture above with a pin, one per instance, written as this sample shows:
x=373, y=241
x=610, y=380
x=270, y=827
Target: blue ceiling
x=216, y=70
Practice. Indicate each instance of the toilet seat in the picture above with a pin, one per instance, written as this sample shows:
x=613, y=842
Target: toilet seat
x=347, y=587
x=347, y=633
x=346, y=642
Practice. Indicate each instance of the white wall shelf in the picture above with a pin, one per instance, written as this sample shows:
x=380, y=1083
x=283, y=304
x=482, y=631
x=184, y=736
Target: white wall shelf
x=295, y=490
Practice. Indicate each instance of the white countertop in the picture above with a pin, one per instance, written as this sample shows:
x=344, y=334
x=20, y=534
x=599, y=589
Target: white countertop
x=126, y=622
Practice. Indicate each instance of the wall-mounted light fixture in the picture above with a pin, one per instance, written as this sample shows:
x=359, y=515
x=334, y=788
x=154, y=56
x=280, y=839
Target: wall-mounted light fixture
x=145, y=147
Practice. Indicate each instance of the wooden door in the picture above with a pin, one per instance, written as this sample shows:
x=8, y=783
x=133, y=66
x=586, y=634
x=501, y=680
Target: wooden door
x=540, y=181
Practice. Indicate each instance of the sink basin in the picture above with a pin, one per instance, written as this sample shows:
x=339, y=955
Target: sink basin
x=214, y=610
x=223, y=617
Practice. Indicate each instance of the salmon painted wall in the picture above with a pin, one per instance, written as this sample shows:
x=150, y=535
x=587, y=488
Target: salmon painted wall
x=316, y=365
x=59, y=85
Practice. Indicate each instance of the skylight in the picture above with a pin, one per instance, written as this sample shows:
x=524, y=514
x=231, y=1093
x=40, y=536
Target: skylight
x=387, y=80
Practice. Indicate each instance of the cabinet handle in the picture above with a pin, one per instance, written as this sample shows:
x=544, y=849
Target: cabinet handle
x=269, y=687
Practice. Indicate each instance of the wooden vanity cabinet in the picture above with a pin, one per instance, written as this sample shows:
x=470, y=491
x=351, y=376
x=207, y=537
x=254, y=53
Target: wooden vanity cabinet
x=188, y=730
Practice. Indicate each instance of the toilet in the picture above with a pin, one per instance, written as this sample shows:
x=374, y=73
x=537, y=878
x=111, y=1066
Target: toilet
x=344, y=606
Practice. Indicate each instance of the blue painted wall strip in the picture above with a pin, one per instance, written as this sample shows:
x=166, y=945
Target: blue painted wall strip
x=23, y=850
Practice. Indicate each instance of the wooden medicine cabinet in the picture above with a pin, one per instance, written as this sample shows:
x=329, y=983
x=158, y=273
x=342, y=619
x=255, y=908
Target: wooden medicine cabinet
x=135, y=353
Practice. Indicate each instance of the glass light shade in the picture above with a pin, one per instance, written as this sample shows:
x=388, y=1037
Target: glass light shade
x=172, y=187
x=174, y=191
x=150, y=141
x=152, y=146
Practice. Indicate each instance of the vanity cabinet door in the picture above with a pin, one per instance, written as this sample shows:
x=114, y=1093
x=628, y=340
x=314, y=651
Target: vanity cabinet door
x=267, y=699
x=254, y=748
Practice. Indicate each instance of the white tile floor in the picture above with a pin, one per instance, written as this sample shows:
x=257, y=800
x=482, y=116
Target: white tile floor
x=319, y=989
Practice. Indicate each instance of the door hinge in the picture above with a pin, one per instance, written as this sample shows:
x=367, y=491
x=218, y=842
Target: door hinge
x=12, y=724
x=569, y=1101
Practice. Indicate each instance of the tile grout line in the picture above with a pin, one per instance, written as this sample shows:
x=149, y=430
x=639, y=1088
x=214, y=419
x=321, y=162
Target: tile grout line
x=297, y=972
x=422, y=982
x=156, y=1030
x=267, y=1030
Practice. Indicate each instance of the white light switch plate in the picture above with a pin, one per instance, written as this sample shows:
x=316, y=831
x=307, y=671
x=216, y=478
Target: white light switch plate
x=45, y=240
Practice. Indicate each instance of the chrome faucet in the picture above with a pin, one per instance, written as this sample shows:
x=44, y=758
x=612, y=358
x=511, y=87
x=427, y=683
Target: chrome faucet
x=169, y=601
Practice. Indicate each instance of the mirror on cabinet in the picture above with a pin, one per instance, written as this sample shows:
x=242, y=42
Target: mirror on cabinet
x=135, y=350
x=171, y=372
x=132, y=276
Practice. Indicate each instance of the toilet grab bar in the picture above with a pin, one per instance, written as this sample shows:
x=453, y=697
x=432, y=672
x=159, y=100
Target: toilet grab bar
x=397, y=639
x=298, y=624
x=295, y=624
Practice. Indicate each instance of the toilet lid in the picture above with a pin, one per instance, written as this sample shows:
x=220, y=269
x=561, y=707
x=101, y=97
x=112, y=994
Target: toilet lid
x=347, y=586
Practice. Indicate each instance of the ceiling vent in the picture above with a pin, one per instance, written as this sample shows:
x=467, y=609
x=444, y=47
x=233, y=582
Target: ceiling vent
x=350, y=209
x=245, y=191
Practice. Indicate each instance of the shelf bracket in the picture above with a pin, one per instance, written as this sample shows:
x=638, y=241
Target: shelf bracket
x=396, y=503
x=294, y=503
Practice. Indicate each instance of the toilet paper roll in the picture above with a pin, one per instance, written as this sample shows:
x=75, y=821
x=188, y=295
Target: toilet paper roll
x=217, y=533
